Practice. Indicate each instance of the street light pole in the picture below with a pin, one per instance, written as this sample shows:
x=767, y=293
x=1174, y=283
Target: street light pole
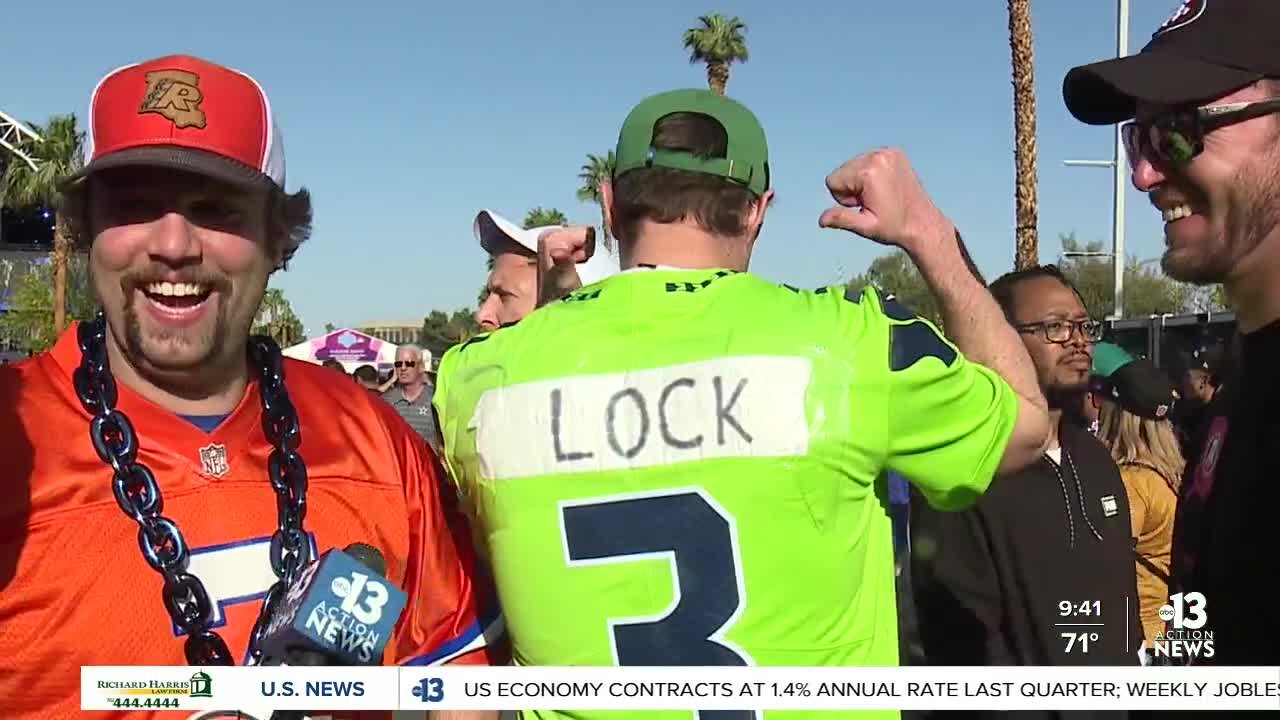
x=1119, y=168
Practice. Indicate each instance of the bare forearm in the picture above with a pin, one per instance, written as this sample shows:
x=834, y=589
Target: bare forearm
x=892, y=208
x=973, y=319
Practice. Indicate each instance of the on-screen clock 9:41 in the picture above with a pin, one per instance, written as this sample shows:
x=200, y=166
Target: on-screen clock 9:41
x=1088, y=608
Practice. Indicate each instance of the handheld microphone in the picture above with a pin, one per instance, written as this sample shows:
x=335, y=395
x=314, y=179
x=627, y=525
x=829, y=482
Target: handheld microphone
x=341, y=611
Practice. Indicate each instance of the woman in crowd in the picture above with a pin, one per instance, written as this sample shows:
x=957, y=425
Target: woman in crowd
x=1134, y=423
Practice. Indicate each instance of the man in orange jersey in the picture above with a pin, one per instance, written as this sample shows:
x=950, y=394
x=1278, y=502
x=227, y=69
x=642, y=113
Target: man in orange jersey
x=164, y=475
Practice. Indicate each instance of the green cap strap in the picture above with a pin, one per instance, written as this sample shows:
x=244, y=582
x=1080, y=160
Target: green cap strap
x=724, y=167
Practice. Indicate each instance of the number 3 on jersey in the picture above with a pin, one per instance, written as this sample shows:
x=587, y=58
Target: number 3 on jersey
x=700, y=541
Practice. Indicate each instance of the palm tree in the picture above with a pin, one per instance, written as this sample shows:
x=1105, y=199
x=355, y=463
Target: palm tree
x=596, y=170
x=719, y=43
x=276, y=319
x=61, y=153
x=539, y=217
x=1027, y=249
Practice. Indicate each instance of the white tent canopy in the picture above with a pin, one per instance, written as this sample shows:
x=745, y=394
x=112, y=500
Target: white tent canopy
x=350, y=347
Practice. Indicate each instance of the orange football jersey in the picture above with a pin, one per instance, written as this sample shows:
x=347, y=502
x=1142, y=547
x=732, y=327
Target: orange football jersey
x=75, y=589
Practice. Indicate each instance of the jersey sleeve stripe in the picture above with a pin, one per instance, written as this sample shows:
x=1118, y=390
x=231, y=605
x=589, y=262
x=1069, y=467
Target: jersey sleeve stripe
x=479, y=634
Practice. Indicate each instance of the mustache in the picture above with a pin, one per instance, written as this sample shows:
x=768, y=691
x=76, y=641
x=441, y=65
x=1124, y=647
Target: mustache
x=141, y=277
x=1078, y=356
x=1165, y=196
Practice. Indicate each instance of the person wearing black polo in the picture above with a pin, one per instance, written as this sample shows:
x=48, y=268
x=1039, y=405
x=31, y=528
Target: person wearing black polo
x=1203, y=98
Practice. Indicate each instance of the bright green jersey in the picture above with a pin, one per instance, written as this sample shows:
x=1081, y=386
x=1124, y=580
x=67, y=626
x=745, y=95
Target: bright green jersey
x=683, y=468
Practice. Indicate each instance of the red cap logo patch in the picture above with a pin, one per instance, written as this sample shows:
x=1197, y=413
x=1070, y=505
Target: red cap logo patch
x=176, y=95
x=1188, y=12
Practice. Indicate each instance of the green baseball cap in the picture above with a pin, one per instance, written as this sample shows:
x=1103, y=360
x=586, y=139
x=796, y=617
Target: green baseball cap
x=1108, y=357
x=746, y=162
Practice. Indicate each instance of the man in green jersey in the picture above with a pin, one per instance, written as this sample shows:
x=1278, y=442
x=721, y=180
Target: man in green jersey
x=680, y=464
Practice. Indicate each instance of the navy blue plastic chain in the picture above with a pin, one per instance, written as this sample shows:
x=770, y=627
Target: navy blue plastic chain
x=136, y=491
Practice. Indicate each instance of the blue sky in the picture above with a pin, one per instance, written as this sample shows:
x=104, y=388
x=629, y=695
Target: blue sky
x=405, y=118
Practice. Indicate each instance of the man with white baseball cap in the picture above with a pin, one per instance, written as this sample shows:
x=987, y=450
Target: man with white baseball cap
x=518, y=283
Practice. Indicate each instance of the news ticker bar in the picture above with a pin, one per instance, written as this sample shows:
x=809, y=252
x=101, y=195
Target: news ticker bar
x=259, y=690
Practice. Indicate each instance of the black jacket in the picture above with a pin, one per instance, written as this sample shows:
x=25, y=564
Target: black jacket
x=1225, y=538
x=989, y=581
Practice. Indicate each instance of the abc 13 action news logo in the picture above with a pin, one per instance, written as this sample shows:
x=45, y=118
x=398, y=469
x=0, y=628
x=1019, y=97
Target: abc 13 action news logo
x=1185, y=637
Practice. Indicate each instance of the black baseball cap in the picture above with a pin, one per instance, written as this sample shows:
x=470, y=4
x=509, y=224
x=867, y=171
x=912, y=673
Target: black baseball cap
x=1208, y=359
x=1206, y=49
x=1142, y=389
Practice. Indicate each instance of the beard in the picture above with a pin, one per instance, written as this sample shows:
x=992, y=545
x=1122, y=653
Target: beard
x=174, y=349
x=1067, y=398
x=1070, y=400
x=155, y=348
x=1253, y=214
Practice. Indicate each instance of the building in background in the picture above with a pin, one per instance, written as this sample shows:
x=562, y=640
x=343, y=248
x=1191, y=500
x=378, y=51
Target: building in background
x=395, y=332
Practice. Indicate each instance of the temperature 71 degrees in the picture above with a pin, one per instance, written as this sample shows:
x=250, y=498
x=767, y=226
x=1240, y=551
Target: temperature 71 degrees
x=1082, y=638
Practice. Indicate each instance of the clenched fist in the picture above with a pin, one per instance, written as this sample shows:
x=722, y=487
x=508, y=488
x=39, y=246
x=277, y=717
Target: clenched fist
x=559, y=252
x=880, y=198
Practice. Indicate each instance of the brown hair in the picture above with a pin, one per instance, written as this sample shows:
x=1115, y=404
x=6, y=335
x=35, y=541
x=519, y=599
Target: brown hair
x=288, y=221
x=290, y=217
x=666, y=195
x=1135, y=440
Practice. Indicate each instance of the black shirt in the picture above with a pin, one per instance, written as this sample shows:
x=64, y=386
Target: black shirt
x=1225, y=536
x=1189, y=420
x=988, y=582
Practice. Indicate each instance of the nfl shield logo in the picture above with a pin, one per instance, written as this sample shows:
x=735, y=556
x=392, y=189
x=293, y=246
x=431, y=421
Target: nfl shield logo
x=213, y=460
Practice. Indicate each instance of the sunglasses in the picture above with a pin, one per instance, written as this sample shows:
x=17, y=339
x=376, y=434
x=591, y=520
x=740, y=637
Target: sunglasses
x=406, y=363
x=1060, y=331
x=1176, y=136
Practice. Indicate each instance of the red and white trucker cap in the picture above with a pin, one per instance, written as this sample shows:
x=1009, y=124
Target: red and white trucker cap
x=189, y=114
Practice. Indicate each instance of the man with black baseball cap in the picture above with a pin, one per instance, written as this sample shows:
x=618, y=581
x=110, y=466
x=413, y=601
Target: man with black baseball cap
x=1199, y=380
x=1205, y=50
x=686, y=406
x=1203, y=139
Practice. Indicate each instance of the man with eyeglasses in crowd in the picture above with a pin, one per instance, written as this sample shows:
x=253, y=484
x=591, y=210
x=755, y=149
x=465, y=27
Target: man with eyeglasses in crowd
x=989, y=582
x=1204, y=143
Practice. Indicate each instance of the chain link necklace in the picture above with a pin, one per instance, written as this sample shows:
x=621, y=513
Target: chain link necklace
x=138, y=495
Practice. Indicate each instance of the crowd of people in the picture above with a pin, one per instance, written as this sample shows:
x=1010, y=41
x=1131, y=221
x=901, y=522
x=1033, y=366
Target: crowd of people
x=670, y=462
